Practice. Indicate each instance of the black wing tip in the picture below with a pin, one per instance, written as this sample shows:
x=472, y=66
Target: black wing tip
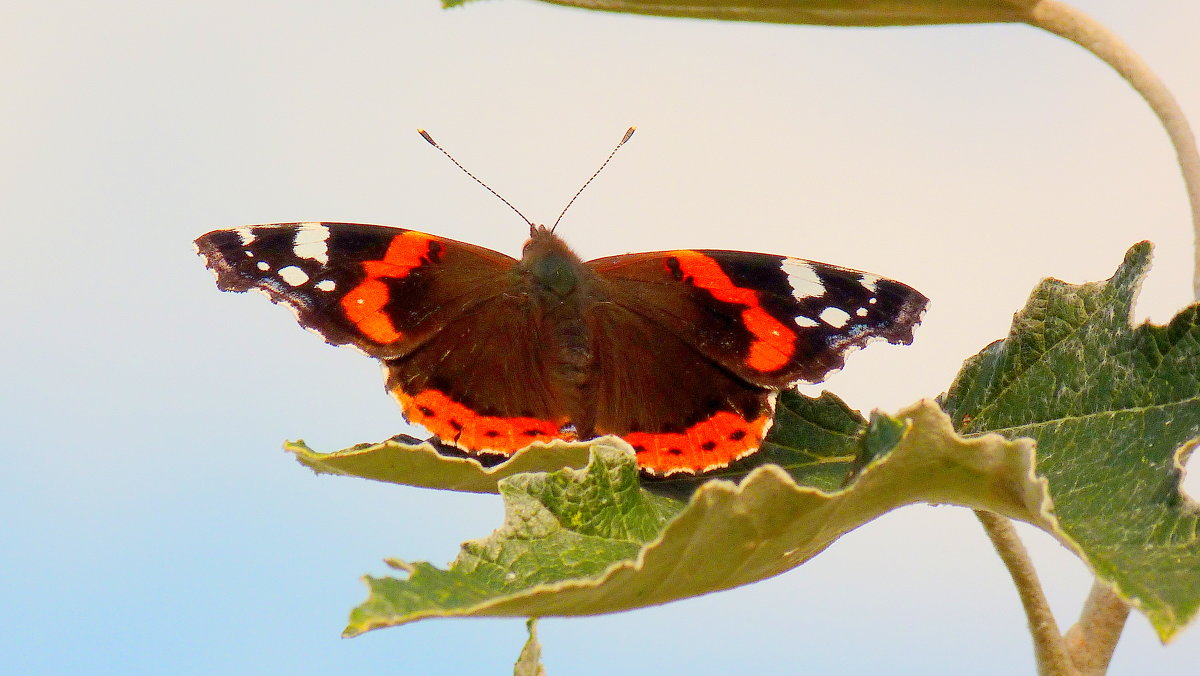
x=225, y=254
x=210, y=244
x=221, y=251
x=901, y=308
x=900, y=330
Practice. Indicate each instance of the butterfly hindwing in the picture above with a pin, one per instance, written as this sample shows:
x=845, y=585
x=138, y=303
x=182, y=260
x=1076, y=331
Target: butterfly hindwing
x=772, y=320
x=486, y=383
x=681, y=411
x=384, y=290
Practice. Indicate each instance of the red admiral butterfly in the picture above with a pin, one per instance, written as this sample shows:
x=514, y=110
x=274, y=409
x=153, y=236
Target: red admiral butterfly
x=680, y=353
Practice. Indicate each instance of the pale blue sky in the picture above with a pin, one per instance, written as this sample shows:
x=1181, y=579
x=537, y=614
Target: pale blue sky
x=154, y=526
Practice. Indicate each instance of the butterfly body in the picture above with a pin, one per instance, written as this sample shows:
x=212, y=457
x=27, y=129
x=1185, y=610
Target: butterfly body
x=681, y=353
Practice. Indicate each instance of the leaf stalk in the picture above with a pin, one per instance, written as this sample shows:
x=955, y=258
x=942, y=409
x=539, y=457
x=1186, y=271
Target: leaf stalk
x=1049, y=649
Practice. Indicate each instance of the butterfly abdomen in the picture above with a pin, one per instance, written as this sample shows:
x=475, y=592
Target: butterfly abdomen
x=559, y=288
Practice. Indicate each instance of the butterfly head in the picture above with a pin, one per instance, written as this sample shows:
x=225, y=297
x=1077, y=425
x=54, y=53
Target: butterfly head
x=548, y=260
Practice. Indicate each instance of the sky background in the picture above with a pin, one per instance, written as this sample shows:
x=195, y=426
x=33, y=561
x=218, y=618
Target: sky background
x=153, y=525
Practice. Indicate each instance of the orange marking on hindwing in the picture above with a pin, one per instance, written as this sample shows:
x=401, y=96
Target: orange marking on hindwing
x=459, y=426
x=364, y=303
x=709, y=444
x=774, y=343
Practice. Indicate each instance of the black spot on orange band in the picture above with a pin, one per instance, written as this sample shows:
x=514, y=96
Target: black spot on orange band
x=707, y=445
x=458, y=425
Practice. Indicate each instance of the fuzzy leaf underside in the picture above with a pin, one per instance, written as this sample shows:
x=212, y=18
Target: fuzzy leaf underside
x=419, y=464
x=815, y=439
x=1112, y=408
x=580, y=542
x=818, y=12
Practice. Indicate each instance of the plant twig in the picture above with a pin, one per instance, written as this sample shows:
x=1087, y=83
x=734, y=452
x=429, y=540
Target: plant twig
x=1094, y=637
x=1048, y=645
x=1072, y=24
x=529, y=662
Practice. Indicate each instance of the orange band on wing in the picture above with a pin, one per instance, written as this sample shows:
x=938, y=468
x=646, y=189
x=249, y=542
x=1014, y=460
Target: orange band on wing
x=364, y=303
x=774, y=343
x=707, y=445
x=459, y=426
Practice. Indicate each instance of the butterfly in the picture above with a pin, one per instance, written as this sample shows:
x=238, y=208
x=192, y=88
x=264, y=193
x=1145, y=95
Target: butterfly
x=680, y=353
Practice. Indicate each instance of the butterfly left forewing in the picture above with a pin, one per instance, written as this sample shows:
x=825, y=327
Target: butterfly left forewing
x=383, y=290
x=772, y=320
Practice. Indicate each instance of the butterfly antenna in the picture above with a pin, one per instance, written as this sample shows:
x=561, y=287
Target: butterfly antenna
x=588, y=182
x=425, y=135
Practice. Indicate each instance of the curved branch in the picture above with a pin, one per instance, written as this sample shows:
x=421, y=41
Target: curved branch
x=1072, y=24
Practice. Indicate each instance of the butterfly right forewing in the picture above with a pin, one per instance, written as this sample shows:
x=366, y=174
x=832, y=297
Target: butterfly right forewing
x=772, y=320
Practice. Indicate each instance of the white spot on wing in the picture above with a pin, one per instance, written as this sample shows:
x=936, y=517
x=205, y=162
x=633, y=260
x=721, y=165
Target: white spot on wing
x=861, y=312
x=326, y=285
x=835, y=317
x=293, y=275
x=312, y=242
x=264, y=266
x=806, y=322
x=245, y=235
x=803, y=278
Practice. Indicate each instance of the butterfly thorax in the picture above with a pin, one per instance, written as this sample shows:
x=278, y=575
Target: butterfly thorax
x=558, y=283
x=554, y=269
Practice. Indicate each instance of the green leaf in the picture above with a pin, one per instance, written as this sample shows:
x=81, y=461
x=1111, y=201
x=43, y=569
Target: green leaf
x=1112, y=408
x=580, y=542
x=821, y=12
x=529, y=662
